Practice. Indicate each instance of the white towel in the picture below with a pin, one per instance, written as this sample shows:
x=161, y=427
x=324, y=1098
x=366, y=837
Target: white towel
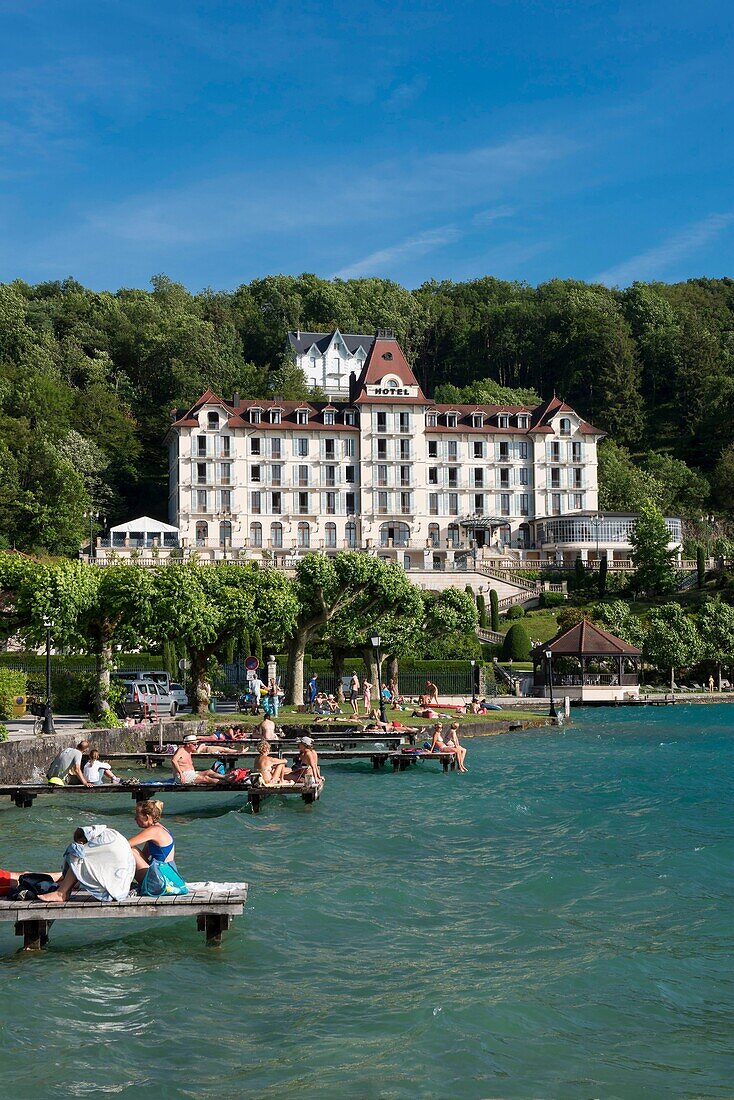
x=106, y=866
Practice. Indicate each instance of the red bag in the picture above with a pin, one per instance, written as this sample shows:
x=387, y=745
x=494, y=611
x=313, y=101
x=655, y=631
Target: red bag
x=4, y=883
x=238, y=775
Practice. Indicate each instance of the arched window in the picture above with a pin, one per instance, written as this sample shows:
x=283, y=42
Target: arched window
x=304, y=535
x=452, y=534
x=523, y=534
x=406, y=561
x=505, y=534
x=276, y=535
x=256, y=534
x=331, y=535
x=225, y=533
x=212, y=421
x=351, y=534
x=565, y=426
x=434, y=533
x=399, y=533
x=202, y=532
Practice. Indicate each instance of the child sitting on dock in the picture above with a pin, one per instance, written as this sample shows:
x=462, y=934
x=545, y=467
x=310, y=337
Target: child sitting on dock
x=95, y=770
x=154, y=841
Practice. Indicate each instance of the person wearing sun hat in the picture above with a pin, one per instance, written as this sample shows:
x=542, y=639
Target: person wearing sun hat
x=306, y=763
x=182, y=763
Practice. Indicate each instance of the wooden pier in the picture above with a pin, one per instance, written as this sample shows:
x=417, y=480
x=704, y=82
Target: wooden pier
x=213, y=911
x=403, y=760
x=230, y=758
x=23, y=795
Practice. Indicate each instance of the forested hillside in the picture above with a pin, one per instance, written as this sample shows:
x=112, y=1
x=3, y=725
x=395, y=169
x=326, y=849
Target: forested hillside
x=87, y=379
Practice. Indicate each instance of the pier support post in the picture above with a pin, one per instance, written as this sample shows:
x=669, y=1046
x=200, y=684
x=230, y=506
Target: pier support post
x=34, y=933
x=213, y=925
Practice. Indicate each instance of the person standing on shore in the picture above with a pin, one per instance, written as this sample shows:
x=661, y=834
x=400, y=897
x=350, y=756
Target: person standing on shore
x=354, y=693
x=432, y=692
x=312, y=689
x=367, y=695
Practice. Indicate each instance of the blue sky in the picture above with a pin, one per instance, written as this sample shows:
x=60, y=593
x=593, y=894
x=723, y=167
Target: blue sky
x=222, y=141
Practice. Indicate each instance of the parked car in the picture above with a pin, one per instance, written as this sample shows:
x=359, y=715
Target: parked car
x=146, y=699
x=178, y=691
x=157, y=675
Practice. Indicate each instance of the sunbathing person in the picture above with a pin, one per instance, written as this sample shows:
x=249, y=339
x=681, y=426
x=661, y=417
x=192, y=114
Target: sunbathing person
x=306, y=763
x=437, y=743
x=454, y=745
x=183, y=764
x=154, y=841
x=99, y=860
x=270, y=768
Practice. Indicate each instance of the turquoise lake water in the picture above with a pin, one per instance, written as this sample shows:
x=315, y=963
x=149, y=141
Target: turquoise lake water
x=556, y=923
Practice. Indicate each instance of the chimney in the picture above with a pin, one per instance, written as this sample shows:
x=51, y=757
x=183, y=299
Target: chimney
x=235, y=399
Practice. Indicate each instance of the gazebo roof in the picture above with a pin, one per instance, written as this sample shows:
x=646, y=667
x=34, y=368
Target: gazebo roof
x=585, y=639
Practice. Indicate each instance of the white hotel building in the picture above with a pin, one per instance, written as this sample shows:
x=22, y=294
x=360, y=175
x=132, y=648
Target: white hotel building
x=434, y=487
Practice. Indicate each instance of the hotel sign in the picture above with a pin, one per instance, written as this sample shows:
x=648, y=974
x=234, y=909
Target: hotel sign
x=391, y=390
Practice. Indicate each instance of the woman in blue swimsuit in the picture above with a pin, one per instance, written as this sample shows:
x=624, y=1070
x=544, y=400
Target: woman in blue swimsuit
x=154, y=841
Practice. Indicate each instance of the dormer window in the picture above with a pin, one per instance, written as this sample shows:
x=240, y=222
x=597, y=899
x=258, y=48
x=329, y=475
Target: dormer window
x=431, y=420
x=256, y=416
x=275, y=416
x=522, y=421
x=503, y=420
x=329, y=416
x=212, y=421
x=564, y=426
x=349, y=417
x=477, y=420
x=451, y=420
x=301, y=416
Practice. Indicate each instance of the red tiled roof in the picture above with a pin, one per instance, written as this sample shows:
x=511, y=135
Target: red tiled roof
x=586, y=639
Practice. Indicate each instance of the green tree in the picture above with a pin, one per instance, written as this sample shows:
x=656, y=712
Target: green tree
x=617, y=617
x=482, y=611
x=350, y=585
x=204, y=606
x=623, y=485
x=450, y=621
x=716, y=628
x=700, y=565
x=602, y=578
x=672, y=640
x=723, y=480
x=516, y=646
x=494, y=609
x=654, y=574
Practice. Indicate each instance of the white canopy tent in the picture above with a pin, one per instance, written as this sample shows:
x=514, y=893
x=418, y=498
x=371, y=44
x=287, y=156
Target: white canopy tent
x=144, y=532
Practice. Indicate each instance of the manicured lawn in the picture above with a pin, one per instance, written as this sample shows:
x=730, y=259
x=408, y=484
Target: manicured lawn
x=541, y=625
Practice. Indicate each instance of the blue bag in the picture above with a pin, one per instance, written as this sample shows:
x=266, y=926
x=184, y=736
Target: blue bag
x=162, y=879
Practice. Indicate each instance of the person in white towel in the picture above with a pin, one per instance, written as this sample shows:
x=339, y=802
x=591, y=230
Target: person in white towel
x=100, y=861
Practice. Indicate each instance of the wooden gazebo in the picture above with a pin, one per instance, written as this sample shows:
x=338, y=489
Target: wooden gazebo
x=587, y=663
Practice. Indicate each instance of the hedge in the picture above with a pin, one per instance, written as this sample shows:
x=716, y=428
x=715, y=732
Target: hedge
x=12, y=684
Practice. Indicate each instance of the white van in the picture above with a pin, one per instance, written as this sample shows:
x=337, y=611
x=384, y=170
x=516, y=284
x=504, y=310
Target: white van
x=146, y=699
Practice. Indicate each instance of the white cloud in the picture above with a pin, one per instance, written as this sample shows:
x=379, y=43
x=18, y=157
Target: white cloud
x=236, y=207
x=654, y=262
x=393, y=255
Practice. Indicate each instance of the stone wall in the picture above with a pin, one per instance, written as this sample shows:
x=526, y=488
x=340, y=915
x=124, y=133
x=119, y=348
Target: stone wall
x=22, y=761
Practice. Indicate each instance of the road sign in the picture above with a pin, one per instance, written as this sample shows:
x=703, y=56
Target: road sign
x=184, y=663
x=251, y=664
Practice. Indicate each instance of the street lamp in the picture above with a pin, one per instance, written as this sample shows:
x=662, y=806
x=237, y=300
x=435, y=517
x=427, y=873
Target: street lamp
x=376, y=642
x=473, y=682
x=92, y=517
x=549, y=659
x=48, y=720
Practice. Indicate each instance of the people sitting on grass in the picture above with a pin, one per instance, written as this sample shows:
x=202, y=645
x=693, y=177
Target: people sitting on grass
x=270, y=768
x=153, y=841
x=66, y=768
x=183, y=764
x=98, y=859
x=95, y=770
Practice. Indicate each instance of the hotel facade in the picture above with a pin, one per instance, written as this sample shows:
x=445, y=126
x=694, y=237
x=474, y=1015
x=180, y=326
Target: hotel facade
x=388, y=471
